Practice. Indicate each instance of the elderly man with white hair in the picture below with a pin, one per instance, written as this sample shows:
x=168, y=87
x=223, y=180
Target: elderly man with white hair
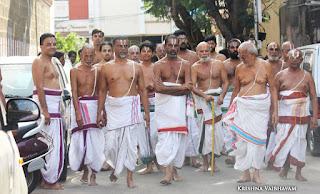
x=274, y=54
x=209, y=75
x=249, y=111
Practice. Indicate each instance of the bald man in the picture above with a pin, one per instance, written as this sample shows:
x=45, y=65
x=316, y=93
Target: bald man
x=286, y=48
x=134, y=53
x=208, y=75
x=249, y=111
x=294, y=85
x=87, y=140
x=160, y=51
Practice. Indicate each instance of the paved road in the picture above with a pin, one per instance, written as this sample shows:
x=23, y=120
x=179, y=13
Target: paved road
x=195, y=182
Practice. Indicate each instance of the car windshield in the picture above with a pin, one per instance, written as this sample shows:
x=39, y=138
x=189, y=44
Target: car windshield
x=17, y=80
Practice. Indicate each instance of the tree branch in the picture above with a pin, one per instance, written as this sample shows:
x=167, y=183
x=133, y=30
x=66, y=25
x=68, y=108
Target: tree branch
x=221, y=23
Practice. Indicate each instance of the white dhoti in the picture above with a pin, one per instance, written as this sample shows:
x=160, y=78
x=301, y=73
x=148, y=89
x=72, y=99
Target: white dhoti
x=104, y=129
x=294, y=116
x=206, y=129
x=123, y=122
x=192, y=144
x=271, y=139
x=228, y=137
x=248, y=117
x=54, y=160
x=172, y=129
x=148, y=138
x=12, y=179
x=87, y=143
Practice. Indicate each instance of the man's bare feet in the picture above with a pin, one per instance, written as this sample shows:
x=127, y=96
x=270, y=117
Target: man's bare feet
x=204, y=168
x=148, y=170
x=244, y=179
x=93, y=180
x=186, y=161
x=175, y=175
x=131, y=184
x=195, y=163
x=105, y=167
x=85, y=175
x=283, y=173
x=256, y=177
x=300, y=178
x=257, y=180
x=159, y=167
x=269, y=167
x=112, y=177
x=215, y=168
x=55, y=186
x=166, y=181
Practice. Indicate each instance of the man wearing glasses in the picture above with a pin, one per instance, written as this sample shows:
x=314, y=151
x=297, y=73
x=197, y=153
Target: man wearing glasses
x=249, y=112
x=294, y=85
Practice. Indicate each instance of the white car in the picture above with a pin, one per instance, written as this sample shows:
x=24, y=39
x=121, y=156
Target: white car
x=311, y=63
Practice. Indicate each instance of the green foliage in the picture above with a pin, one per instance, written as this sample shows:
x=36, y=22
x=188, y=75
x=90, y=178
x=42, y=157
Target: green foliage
x=196, y=8
x=73, y=42
x=236, y=17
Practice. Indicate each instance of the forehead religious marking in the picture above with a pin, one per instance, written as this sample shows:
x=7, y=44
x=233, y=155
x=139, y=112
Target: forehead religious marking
x=174, y=41
x=234, y=44
x=146, y=49
x=295, y=54
x=135, y=49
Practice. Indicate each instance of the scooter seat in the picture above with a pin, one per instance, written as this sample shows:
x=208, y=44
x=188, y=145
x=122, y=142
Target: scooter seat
x=25, y=128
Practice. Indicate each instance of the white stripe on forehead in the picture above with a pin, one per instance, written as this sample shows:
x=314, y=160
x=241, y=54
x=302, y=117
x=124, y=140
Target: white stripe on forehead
x=135, y=49
x=146, y=49
x=295, y=54
x=174, y=41
x=233, y=43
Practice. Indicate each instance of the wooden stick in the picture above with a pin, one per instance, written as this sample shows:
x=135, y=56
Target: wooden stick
x=212, y=153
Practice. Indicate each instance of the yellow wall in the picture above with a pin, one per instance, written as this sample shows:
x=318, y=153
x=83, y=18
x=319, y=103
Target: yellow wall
x=272, y=28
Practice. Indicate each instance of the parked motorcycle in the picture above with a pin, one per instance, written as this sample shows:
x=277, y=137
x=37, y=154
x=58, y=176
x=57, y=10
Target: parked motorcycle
x=32, y=142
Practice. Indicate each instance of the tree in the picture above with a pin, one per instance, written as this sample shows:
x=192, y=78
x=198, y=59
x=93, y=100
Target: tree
x=234, y=18
x=73, y=42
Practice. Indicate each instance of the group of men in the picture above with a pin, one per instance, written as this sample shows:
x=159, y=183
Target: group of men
x=122, y=103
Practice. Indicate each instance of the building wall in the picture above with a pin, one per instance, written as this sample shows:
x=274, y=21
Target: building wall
x=125, y=17
x=272, y=27
x=21, y=25
x=300, y=23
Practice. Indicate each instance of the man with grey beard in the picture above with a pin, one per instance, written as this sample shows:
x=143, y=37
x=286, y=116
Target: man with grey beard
x=273, y=52
x=134, y=53
x=208, y=75
x=250, y=110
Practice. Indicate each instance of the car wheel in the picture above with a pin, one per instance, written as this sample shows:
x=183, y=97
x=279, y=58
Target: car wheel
x=32, y=179
x=313, y=142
